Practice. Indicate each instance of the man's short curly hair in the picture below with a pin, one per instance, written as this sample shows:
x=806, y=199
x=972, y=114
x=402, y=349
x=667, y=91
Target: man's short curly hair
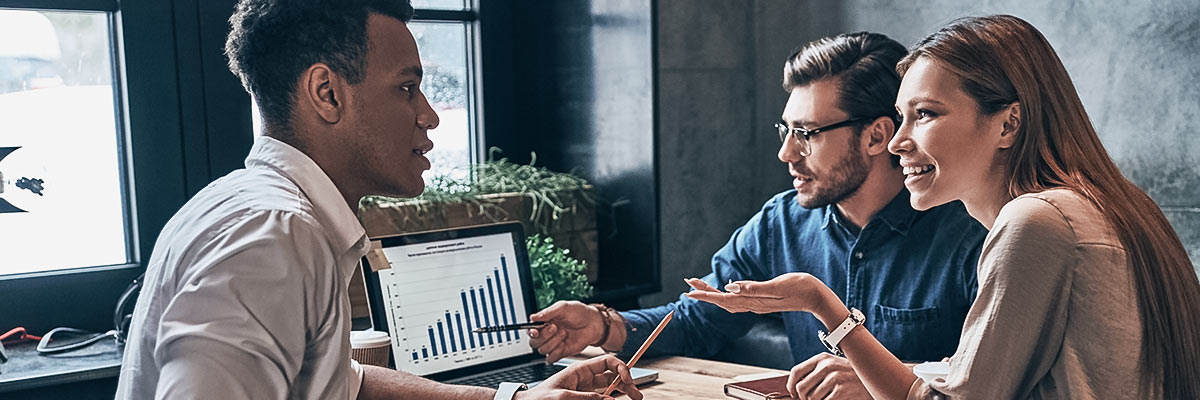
x=271, y=42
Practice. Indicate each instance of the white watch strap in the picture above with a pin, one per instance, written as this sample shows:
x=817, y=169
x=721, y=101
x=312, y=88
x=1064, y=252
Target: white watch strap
x=508, y=390
x=834, y=338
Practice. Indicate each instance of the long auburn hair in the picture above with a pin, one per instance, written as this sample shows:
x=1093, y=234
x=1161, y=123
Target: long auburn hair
x=1002, y=59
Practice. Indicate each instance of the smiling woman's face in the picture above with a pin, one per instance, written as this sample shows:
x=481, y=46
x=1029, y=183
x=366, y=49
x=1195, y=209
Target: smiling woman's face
x=949, y=150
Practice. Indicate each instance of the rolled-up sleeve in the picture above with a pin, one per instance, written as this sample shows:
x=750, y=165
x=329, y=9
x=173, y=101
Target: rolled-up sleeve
x=1016, y=326
x=238, y=326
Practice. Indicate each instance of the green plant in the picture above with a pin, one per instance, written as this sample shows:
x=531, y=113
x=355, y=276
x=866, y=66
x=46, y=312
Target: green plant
x=551, y=194
x=556, y=275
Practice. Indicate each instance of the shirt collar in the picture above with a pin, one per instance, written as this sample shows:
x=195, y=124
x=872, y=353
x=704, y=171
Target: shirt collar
x=897, y=214
x=346, y=233
x=830, y=216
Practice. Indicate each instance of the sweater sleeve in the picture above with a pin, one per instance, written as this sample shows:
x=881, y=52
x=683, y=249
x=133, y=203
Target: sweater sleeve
x=1016, y=326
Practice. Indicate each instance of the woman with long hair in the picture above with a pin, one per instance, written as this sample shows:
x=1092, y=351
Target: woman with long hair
x=1085, y=291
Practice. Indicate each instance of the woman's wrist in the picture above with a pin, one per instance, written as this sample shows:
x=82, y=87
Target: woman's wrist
x=829, y=308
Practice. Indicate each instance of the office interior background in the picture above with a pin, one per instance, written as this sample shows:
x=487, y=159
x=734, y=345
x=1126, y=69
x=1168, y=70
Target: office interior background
x=667, y=105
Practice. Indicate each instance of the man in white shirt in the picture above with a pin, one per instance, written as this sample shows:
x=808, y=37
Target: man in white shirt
x=245, y=295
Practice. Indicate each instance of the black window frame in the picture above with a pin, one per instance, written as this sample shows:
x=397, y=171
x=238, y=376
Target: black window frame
x=184, y=120
x=156, y=159
x=470, y=17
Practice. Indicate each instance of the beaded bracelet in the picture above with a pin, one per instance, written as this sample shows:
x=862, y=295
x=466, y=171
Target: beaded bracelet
x=604, y=312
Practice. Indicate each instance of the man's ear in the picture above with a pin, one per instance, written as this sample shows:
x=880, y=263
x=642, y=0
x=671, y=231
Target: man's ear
x=323, y=90
x=876, y=136
x=1010, y=126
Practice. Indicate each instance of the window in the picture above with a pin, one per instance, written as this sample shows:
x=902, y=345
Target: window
x=446, y=37
x=61, y=180
x=153, y=116
x=446, y=42
x=113, y=106
x=444, y=55
x=439, y=4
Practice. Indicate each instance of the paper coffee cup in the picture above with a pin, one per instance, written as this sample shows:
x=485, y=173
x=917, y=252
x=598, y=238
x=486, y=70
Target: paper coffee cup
x=370, y=347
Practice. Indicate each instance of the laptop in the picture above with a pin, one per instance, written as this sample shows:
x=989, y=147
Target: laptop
x=429, y=290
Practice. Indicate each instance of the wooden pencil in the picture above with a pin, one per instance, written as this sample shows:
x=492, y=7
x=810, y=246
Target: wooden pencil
x=641, y=350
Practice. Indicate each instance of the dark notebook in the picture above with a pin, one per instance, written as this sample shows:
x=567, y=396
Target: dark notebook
x=760, y=389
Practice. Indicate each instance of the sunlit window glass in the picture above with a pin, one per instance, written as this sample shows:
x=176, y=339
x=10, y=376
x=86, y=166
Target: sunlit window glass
x=443, y=47
x=439, y=4
x=61, y=192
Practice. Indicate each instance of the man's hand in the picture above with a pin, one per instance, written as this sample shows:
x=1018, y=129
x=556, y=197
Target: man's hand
x=572, y=327
x=826, y=376
x=583, y=380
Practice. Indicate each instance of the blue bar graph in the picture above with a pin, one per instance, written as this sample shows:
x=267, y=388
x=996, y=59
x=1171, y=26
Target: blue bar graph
x=442, y=336
x=512, y=308
x=432, y=343
x=461, y=342
x=475, y=308
x=467, y=317
x=450, y=328
x=495, y=312
x=500, y=297
x=486, y=321
x=454, y=326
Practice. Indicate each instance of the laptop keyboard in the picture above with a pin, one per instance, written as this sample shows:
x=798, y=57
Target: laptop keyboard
x=523, y=374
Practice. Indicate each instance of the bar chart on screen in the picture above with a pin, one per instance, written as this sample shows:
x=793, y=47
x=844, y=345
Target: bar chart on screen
x=438, y=292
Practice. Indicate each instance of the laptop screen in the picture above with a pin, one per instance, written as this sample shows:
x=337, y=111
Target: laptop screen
x=442, y=285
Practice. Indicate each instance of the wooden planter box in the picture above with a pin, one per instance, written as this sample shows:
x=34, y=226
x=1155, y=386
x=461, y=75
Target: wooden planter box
x=573, y=229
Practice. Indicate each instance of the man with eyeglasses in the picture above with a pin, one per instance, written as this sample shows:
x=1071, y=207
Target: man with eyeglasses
x=848, y=222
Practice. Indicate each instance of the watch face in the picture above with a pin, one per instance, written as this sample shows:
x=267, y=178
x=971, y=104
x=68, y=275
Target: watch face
x=857, y=315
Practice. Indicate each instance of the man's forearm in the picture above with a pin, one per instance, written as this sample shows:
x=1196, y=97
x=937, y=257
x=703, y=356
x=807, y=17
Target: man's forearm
x=384, y=383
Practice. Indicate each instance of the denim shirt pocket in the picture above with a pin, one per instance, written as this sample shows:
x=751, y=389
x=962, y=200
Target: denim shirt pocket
x=906, y=315
x=914, y=334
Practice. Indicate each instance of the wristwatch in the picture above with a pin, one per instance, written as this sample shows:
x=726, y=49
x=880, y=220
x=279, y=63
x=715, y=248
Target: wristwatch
x=508, y=390
x=833, y=339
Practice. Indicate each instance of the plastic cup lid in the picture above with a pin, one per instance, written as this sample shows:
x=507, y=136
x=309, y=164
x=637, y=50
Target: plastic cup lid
x=932, y=370
x=361, y=339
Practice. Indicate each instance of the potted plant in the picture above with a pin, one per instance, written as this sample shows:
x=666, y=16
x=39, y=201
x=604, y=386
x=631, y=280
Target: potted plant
x=556, y=275
x=553, y=204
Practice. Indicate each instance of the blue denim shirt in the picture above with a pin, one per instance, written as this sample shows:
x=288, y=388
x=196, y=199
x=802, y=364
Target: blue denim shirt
x=911, y=272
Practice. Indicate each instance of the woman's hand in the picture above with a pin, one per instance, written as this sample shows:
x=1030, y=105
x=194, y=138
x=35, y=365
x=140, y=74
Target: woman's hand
x=796, y=291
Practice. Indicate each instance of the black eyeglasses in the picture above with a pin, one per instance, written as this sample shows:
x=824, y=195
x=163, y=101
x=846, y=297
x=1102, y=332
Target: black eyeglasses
x=802, y=135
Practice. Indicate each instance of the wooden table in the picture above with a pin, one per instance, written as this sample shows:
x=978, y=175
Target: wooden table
x=688, y=378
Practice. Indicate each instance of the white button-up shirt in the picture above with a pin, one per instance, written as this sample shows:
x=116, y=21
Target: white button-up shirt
x=245, y=295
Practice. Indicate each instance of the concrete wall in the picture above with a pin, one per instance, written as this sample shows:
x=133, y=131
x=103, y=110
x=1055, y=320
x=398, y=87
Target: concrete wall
x=1136, y=66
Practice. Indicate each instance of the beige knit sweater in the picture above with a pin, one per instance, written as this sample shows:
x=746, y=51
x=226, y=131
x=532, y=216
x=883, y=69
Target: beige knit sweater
x=1056, y=316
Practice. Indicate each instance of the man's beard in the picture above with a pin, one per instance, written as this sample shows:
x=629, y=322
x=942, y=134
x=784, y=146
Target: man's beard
x=842, y=181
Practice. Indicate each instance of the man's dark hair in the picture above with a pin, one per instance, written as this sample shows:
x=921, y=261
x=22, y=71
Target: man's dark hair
x=864, y=66
x=271, y=42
